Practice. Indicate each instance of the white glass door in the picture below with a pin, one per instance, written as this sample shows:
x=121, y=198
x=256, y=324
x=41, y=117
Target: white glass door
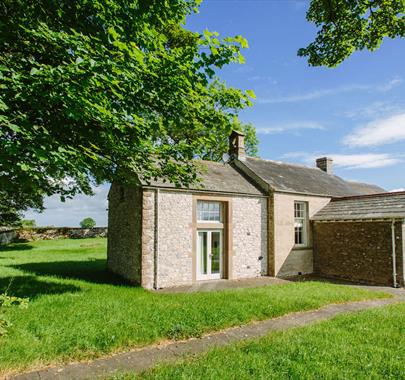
x=209, y=254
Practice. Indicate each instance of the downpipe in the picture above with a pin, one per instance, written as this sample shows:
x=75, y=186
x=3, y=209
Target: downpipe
x=394, y=259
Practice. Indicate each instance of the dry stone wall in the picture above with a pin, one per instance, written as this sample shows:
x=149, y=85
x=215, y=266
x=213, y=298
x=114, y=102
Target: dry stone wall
x=49, y=233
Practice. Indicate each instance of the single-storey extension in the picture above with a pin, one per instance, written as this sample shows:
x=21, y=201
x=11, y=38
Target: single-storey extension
x=362, y=238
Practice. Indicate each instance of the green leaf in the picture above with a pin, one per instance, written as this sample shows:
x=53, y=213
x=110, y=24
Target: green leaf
x=251, y=94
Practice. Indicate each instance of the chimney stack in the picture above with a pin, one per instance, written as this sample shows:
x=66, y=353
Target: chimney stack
x=237, y=146
x=325, y=164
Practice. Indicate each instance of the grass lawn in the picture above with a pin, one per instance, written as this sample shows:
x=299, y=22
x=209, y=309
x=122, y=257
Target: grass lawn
x=78, y=311
x=366, y=345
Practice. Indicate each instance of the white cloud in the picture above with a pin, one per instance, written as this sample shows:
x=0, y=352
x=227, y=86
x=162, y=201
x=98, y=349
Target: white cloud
x=350, y=161
x=397, y=190
x=364, y=161
x=383, y=131
x=299, y=5
x=288, y=127
x=263, y=79
x=71, y=212
x=374, y=110
x=316, y=94
x=390, y=85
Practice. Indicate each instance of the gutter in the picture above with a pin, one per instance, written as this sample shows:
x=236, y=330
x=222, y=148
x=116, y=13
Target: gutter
x=156, y=250
x=394, y=261
x=204, y=191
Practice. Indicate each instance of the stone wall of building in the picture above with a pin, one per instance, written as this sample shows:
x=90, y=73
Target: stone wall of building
x=124, y=234
x=175, y=239
x=249, y=228
x=358, y=251
x=148, y=236
x=288, y=260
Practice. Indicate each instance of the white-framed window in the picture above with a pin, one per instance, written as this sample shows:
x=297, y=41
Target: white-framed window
x=300, y=223
x=208, y=211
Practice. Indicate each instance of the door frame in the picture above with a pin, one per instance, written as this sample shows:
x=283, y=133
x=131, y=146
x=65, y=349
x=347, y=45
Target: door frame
x=226, y=226
x=209, y=275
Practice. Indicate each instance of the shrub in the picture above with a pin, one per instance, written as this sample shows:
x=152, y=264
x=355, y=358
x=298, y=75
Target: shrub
x=5, y=302
x=28, y=223
x=88, y=223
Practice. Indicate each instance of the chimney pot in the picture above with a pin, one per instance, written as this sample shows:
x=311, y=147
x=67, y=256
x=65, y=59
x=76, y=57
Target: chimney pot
x=325, y=164
x=237, y=146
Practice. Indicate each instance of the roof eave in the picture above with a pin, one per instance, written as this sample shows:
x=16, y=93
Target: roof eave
x=176, y=189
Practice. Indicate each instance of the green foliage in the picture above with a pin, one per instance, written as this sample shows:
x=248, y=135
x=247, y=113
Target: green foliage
x=92, y=90
x=13, y=203
x=222, y=146
x=79, y=311
x=88, y=223
x=28, y=223
x=7, y=301
x=349, y=25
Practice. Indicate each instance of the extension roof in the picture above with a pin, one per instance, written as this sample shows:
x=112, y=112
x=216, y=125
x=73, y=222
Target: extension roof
x=377, y=206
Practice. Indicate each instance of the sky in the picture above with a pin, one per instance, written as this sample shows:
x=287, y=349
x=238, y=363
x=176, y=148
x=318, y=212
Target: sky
x=354, y=113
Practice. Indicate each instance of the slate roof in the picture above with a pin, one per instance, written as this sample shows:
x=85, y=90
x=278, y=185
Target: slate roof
x=307, y=180
x=218, y=177
x=379, y=206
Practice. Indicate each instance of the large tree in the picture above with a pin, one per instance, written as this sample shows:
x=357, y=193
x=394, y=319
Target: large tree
x=346, y=26
x=13, y=203
x=92, y=90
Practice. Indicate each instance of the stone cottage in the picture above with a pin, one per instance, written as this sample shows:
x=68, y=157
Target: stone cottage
x=247, y=218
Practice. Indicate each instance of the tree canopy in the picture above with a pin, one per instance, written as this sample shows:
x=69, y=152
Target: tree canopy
x=13, y=203
x=93, y=90
x=88, y=223
x=346, y=26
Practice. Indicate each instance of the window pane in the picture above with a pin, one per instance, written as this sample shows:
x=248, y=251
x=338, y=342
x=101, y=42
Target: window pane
x=203, y=251
x=215, y=252
x=209, y=211
x=299, y=237
x=300, y=221
x=299, y=210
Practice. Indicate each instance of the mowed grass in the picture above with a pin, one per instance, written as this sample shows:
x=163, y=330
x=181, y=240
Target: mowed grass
x=366, y=345
x=79, y=311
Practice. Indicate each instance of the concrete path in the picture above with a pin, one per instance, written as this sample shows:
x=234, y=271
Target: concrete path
x=146, y=358
x=216, y=285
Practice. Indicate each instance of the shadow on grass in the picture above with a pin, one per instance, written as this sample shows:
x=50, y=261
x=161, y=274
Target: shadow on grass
x=94, y=271
x=16, y=247
x=31, y=287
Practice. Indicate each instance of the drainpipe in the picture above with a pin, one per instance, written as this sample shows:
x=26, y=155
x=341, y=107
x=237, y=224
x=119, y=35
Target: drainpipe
x=394, y=261
x=156, y=250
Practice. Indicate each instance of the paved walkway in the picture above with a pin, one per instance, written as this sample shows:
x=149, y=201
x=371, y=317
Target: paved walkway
x=215, y=285
x=146, y=358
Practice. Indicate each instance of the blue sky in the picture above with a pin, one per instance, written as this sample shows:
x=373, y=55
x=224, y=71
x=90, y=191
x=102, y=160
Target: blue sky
x=354, y=113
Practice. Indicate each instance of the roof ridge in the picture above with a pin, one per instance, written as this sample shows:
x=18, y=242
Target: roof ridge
x=213, y=162
x=288, y=164
x=365, y=196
